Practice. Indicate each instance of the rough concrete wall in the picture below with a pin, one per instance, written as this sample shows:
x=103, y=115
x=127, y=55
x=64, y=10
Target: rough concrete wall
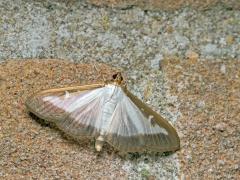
x=166, y=4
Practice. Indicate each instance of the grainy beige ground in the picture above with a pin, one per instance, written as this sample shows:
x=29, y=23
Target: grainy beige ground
x=209, y=97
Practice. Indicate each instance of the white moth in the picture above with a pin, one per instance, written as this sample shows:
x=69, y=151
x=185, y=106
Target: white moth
x=107, y=112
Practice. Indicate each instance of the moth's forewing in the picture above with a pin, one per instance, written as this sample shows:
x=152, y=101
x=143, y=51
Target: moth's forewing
x=59, y=106
x=168, y=141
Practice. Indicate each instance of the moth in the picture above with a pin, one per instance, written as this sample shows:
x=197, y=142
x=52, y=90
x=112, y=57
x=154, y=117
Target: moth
x=107, y=112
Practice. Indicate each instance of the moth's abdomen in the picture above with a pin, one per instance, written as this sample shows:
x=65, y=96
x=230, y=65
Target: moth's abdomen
x=108, y=110
x=111, y=100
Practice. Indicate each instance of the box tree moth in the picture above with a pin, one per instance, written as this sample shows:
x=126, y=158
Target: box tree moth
x=107, y=112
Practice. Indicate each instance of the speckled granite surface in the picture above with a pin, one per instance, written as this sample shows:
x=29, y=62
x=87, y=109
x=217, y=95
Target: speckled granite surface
x=140, y=43
x=166, y=5
x=79, y=32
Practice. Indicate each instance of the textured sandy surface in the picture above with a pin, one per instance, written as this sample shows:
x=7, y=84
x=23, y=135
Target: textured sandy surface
x=209, y=97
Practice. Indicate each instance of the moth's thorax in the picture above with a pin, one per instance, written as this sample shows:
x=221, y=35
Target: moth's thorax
x=118, y=79
x=113, y=92
x=112, y=97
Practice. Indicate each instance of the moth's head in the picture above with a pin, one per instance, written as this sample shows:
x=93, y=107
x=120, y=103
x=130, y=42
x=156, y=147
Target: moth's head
x=118, y=78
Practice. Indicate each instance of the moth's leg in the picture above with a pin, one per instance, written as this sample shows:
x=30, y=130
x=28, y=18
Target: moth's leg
x=99, y=143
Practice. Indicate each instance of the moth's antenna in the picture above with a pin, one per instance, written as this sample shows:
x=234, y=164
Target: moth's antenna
x=99, y=72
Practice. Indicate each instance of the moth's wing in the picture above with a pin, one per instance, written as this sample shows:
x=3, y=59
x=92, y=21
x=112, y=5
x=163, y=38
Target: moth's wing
x=75, y=110
x=136, y=127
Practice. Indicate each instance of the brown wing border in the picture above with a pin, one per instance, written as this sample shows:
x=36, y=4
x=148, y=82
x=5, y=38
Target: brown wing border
x=145, y=109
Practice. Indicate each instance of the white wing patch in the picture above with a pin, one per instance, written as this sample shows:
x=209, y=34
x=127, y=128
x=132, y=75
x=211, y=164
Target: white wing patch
x=67, y=95
x=128, y=116
x=70, y=103
x=150, y=118
x=143, y=124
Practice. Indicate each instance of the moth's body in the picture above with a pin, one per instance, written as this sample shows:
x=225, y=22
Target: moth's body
x=112, y=97
x=109, y=113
